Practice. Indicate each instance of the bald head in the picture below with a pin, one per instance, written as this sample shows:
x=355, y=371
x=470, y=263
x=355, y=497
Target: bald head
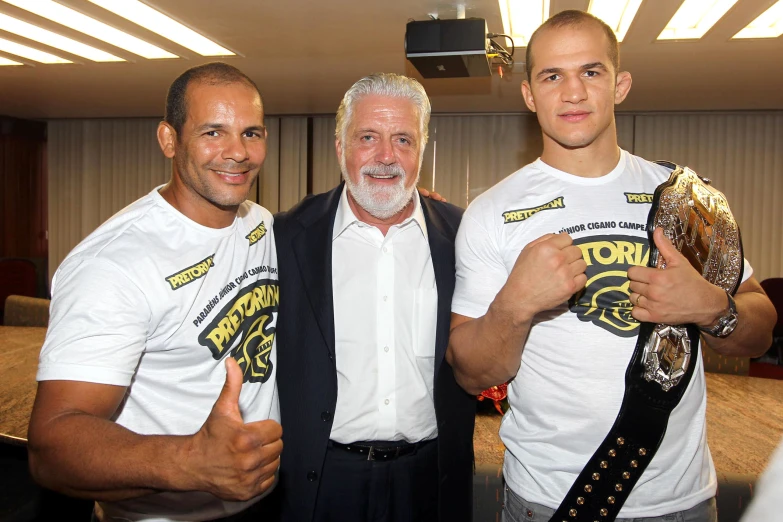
x=573, y=18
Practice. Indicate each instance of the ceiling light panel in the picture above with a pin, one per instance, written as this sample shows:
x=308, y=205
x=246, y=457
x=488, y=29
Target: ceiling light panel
x=694, y=18
x=79, y=22
x=24, y=51
x=617, y=14
x=6, y=61
x=522, y=17
x=768, y=25
x=161, y=24
x=32, y=32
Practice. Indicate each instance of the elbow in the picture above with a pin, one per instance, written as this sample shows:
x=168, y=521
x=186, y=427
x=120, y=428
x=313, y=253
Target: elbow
x=467, y=384
x=474, y=381
x=464, y=379
x=38, y=467
x=767, y=335
x=41, y=454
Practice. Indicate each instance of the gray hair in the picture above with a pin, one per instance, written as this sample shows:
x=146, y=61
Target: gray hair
x=385, y=84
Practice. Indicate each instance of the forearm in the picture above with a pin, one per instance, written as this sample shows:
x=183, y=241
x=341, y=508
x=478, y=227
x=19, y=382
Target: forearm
x=487, y=351
x=753, y=335
x=86, y=456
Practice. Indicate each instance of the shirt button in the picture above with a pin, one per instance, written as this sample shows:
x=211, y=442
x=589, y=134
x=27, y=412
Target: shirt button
x=386, y=402
x=326, y=416
x=385, y=348
x=385, y=250
x=385, y=298
x=312, y=476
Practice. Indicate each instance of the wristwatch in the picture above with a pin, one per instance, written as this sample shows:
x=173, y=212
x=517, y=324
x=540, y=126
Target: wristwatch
x=727, y=323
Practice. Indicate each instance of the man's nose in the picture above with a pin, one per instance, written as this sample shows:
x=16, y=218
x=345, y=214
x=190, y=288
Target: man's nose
x=385, y=152
x=574, y=90
x=235, y=149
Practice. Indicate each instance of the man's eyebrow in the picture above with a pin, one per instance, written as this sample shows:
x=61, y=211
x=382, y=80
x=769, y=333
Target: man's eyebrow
x=558, y=70
x=220, y=126
x=210, y=126
x=256, y=128
x=594, y=65
x=551, y=70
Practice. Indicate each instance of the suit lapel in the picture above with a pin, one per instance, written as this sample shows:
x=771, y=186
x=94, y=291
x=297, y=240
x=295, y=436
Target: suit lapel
x=442, y=251
x=313, y=251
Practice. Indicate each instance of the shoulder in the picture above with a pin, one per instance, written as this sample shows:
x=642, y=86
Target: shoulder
x=649, y=168
x=125, y=232
x=510, y=193
x=311, y=207
x=254, y=211
x=451, y=214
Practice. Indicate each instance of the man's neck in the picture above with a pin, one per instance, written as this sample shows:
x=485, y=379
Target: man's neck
x=593, y=161
x=381, y=224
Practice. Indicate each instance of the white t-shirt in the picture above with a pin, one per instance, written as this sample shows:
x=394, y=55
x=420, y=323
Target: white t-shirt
x=570, y=384
x=155, y=302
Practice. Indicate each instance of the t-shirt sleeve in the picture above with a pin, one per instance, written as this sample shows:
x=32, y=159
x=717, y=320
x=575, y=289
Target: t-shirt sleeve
x=97, y=327
x=747, y=270
x=481, y=272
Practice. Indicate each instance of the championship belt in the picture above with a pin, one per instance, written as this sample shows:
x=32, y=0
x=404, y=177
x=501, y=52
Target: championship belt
x=697, y=220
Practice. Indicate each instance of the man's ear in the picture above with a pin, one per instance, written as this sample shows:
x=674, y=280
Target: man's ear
x=622, y=87
x=338, y=148
x=167, y=139
x=527, y=95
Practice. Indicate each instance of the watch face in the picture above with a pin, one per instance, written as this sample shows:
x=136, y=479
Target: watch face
x=729, y=326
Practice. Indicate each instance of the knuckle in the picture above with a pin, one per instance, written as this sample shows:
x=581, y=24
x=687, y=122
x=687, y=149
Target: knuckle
x=247, y=463
x=243, y=441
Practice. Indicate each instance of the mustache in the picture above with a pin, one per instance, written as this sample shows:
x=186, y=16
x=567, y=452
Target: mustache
x=382, y=170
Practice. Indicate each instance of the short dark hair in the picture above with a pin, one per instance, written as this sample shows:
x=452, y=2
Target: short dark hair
x=214, y=73
x=574, y=18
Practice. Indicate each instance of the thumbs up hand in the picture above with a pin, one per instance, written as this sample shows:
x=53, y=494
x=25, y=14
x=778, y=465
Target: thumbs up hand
x=231, y=459
x=676, y=295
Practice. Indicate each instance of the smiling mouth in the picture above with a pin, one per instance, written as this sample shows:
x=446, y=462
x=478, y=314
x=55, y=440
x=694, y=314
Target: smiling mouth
x=382, y=176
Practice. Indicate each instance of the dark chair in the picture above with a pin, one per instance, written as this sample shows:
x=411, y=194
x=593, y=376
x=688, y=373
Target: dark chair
x=735, y=492
x=17, y=277
x=26, y=311
x=774, y=289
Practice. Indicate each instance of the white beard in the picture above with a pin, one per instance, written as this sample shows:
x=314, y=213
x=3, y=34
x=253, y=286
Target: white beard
x=380, y=201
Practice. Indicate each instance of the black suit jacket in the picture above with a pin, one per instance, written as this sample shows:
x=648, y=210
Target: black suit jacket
x=306, y=371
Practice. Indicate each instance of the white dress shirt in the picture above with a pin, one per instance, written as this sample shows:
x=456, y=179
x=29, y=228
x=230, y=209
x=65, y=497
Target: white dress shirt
x=385, y=314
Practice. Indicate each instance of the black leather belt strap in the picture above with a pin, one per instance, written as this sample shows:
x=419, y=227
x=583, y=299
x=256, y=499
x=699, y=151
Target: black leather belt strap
x=607, y=479
x=381, y=450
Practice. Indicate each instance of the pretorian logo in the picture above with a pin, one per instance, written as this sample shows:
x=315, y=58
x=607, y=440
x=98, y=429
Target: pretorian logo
x=514, y=216
x=256, y=234
x=244, y=326
x=191, y=273
x=605, y=298
x=641, y=197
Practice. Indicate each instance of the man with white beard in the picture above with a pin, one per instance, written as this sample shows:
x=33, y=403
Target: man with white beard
x=376, y=427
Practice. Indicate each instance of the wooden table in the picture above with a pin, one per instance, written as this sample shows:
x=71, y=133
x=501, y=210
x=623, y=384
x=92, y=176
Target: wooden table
x=744, y=421
x=19, y=349
x=744, y=424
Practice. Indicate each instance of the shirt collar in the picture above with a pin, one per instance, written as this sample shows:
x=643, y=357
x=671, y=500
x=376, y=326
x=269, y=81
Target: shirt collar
x=345, y=217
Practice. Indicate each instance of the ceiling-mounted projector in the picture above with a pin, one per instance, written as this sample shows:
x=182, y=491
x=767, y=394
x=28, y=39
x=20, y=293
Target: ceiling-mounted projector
x=448, y=48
